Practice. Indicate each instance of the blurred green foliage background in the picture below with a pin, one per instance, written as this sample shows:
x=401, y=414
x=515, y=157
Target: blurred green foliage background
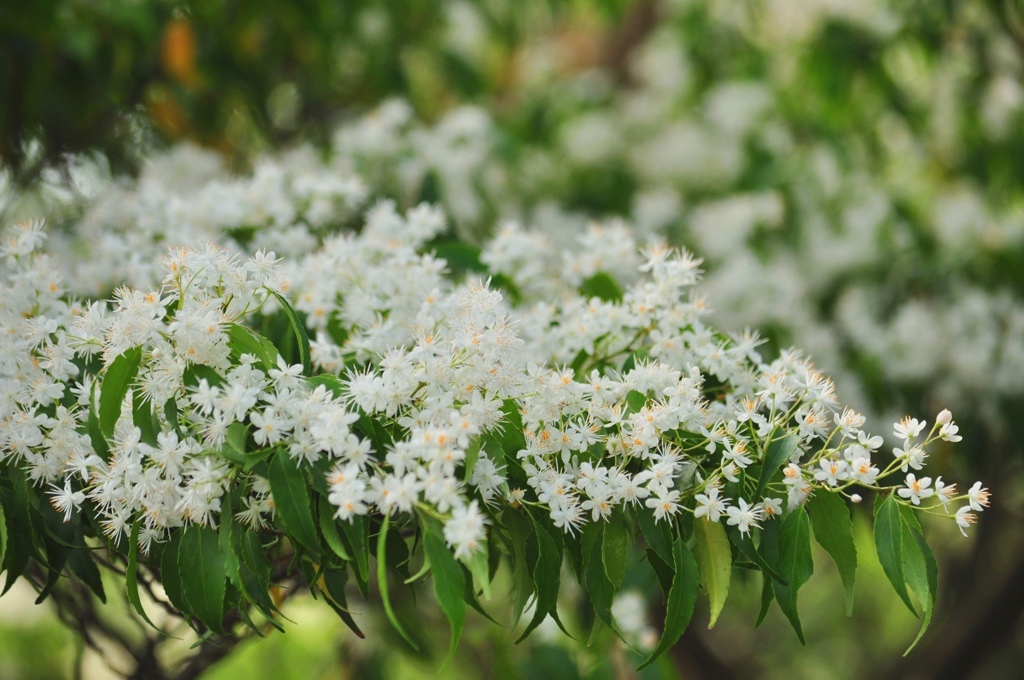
x=128, y=78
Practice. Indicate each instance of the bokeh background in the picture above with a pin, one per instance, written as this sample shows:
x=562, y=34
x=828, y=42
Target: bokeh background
x=852, y=173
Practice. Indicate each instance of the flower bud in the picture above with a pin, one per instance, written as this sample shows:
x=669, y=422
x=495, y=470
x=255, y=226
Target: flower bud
x=856, y=498
x=944, y=417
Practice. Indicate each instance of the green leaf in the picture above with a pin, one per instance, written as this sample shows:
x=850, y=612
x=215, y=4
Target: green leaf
x=116, y=382
x=600, y=590
x=330, y=382
x=657, y=534
x=662, y=571
x=546, y=575
x=830, y=519
x=142, y=418
x=779, y=451
x=461, y=257
x=226, y=536
x=479, y=569
x=300, y=332
x=203, y=575
x=794, y=564
x=3, y=531
x=714, y=562
x=83, y=566
x=198, y=372
x=356, y=534
x=520, y=531
x=615, y=550
x=334, y=588
x=769, y=549
x=19, y=528
x=236, y=437
x=173, y=417
x=889, y=545
x=242, y=340
x=131, y=574
x=746, y=546
x=254, y=572
x=578, y=363
x=170, y=575
x=472, y=455
x=382, y=581
x=291, y=495
x=449, y=585
x=99, y=442
x=602, y=286
x=635, y=401
x=921, y=572
x=329, y=529
x=681, y=598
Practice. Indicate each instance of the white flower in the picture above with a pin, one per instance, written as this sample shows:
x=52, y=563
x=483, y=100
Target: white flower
x=710, y=504
x=948, y=433
x=464, y=531
x=792, y=475
x=916, y=489
x=908, y=428
x=978, y=497
x=913, y=456
x=771, y=507
x=743, y=516
x=832, y=472
x=65, y=500
x=965, y=518
x=862, y=470
x=664, y=504
x=944, y=492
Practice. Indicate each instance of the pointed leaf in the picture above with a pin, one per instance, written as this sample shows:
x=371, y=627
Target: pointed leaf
x=833, y=530
x=747, y=549
x=779, y=451
x=714, y=562
x=546, y=576
x=889, y=544
x=300, y=332
x=615, y=550
x=334, y=587
x=681, y=597
x=170, y=575
x=520, y=531
x=448, y=586
x=242, y=340
x=290, y=491
x=131, y=574
x=600, y=590
x=921, y=573
x=116, y=381
x=254, y=571
x=657, y=534
x=603, y=286
x=356, y=535
x=203, y=575
x=99, y=442
x=479, y=568
x=83, y=566
x=382, y=581
x=329, y=529
x=769, y=549
x=794, y=564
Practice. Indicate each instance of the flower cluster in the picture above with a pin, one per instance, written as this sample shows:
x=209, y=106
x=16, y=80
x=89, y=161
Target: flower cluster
x=423, y=399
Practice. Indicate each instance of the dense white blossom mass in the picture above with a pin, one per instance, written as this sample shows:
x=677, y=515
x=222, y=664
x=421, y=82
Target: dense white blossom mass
x=626, y=398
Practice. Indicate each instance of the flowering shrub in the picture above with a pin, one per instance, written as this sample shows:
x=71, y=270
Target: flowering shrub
x=864, y=209
x=356, y=412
